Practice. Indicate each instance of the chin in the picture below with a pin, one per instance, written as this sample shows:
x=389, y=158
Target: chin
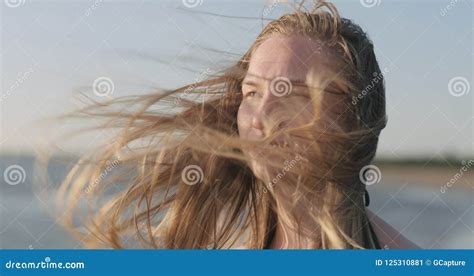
x=258, y=170
x=261, y=171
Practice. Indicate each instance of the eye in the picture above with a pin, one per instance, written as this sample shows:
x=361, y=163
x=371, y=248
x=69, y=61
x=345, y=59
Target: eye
x=302, y=94
x=305, y=96
x=250, y=94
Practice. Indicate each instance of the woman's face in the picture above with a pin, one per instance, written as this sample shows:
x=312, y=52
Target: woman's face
x=274, y=90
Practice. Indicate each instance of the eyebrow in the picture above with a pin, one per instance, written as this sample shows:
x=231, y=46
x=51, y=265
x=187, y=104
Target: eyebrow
x=249, y=82
x=297, y=83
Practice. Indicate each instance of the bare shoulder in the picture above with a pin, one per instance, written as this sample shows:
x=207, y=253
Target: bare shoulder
x=388, y=236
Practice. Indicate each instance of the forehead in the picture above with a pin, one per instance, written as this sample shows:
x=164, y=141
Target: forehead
x=288, y=56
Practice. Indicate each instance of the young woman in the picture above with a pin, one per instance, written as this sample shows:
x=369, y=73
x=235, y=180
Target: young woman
x=268, y=156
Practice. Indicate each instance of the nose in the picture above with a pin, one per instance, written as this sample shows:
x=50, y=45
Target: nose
x=257, y=123
x=267, y=105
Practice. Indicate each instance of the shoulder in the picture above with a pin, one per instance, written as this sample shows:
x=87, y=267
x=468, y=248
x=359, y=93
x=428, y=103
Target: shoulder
x=389, y=237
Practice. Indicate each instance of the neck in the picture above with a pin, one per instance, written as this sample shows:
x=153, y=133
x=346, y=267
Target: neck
x=287, y=238
x=294, y=232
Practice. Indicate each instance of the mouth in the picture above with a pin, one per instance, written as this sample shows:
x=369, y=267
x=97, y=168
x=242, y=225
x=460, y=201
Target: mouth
x=279, y=144
x=266, y=148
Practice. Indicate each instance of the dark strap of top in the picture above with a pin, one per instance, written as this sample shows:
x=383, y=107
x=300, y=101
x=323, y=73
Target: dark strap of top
x=367, y=203
x=376, y=239
x=366, y=198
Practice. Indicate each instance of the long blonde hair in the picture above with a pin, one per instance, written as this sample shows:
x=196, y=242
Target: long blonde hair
x=180, y=179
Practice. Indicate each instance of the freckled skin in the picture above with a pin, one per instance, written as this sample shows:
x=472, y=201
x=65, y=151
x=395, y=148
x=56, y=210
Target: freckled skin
x=290, y=57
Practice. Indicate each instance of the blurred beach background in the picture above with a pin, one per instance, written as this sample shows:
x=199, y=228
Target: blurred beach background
x=51, y=51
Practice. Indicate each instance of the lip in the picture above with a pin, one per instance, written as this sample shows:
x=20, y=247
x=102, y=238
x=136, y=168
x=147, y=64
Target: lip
x=279, y=143
x=275, y=144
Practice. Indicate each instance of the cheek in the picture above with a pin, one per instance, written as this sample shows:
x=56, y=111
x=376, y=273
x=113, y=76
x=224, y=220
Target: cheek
x=244, y=120
x=306, y=112
x=335, y=111
x=300, y=112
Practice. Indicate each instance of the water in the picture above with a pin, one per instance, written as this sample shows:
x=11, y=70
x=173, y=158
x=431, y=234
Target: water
x=424, y=215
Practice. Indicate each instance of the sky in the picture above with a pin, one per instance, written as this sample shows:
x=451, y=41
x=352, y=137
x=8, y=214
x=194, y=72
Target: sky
x=50, y=50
